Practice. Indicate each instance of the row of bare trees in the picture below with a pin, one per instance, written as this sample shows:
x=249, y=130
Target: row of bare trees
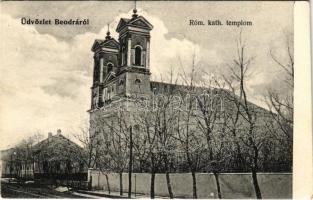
x=21, y=157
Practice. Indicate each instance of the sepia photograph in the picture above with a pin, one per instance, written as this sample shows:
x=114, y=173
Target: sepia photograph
x=147, y=99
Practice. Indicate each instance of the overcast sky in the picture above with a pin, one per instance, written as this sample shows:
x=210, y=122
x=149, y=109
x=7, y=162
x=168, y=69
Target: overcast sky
x=46, y=69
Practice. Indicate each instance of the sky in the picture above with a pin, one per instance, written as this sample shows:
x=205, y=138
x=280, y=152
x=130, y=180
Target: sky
x=46, y=70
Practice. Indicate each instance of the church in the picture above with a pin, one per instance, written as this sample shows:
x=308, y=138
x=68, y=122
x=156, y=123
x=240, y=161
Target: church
x=121, y=77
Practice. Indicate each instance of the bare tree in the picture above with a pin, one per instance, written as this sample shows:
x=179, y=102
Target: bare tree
x=210, y=118
x=23, y=154
x=156, y=119
x=191, y=144
x=247, y=111
x=187, y=135
x=112, y=133
x=119, y=146
x=156, y=122
x=89, y=154
x=146, y=120
x=281, y=103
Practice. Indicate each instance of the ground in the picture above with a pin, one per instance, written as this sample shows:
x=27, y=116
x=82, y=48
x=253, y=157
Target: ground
x=32, y=190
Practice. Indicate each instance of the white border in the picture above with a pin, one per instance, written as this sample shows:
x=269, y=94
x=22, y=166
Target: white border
x=303, y=157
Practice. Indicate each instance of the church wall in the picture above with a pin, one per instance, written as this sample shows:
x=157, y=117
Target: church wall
x=110, y=58
x=139, y=40
x=133, y=87
x=120, y=85
x=101, y=119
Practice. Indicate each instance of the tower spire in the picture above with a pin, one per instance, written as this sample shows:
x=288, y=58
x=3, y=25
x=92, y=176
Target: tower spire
x=108, y=33
x=135, y=10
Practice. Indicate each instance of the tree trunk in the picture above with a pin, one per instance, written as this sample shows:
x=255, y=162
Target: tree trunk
x=121, y=184
x=108, y=183
x=239, y=159
x=167, y=175
x=152, y=184
x=25, y=171
x=254, y=171
x=33, y=167
x=194, y=185
x=130, y=165
x=256, y=185
x=169, y=185
x=218, y=187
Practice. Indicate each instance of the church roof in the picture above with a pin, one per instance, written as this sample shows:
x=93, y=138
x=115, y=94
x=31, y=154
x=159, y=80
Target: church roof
x=181, y=90
x=109, y=42
x=137, y=21
x=125, y=20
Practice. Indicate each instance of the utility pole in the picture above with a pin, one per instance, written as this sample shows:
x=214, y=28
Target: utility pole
x=130, y=165
x=11, y=167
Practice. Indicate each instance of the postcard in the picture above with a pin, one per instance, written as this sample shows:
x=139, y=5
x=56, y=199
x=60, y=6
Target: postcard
x=156, y=99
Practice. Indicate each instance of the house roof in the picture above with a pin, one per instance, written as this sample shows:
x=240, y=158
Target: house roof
x=55, y=138
x=57, y=147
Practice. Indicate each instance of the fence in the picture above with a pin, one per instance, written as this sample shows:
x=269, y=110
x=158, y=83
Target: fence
x=73, y=180
x=62, y=176
x=233, y=185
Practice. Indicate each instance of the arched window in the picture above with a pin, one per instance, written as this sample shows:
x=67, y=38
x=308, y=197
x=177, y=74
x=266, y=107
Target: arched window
x=137, y=81
x=138, y=55
x=110, y=67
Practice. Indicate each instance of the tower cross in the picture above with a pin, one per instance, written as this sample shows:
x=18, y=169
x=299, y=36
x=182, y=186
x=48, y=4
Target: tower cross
x=108, y=33
x=135, y=10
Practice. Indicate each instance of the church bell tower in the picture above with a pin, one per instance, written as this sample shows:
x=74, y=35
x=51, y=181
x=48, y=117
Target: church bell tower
x=121, y=68
x=105, y=68
x=134, y=59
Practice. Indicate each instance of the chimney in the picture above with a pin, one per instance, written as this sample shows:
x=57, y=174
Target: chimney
x=59, y=132
x=49, y=135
